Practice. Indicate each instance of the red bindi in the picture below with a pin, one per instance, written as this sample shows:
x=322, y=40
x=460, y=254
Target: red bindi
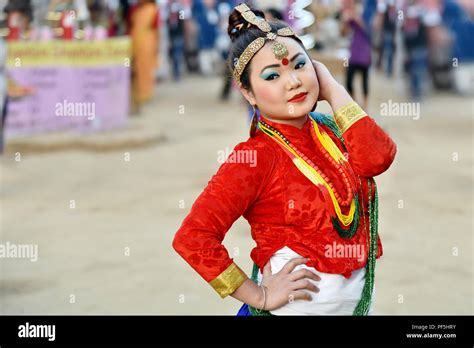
x=284, y=61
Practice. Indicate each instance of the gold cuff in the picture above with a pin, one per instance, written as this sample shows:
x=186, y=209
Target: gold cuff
x=229, y=280
x=347, y=115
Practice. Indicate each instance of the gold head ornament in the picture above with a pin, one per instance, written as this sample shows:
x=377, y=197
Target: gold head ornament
x=279, y=49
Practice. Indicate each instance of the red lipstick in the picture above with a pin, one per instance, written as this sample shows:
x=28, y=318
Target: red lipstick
x=299, y=97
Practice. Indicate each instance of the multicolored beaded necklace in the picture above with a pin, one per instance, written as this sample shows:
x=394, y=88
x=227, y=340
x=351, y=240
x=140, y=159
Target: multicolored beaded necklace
x=315, y=175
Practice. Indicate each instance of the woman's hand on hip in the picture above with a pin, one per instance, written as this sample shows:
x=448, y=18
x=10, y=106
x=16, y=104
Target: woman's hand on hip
x=285, y=286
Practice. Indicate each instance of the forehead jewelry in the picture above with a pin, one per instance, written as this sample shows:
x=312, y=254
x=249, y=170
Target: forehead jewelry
x=279, y=49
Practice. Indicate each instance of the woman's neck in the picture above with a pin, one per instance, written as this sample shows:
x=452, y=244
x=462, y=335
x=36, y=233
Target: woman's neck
x=297, y=122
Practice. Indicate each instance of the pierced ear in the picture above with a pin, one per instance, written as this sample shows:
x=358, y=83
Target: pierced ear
x=248, y=95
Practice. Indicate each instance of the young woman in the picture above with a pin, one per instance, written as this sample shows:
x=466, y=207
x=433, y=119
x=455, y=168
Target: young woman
x=309, y=196
x=360, y=56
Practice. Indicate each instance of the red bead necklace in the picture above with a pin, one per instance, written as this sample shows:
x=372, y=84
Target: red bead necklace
x=334, y=163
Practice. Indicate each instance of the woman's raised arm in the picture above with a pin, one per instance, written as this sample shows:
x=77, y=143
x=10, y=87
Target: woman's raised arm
x=371, y=150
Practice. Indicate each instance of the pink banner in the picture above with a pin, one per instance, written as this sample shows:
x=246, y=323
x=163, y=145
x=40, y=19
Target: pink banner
x=80, y=98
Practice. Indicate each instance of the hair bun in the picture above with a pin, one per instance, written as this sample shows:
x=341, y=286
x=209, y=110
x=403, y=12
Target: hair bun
x=237, y=23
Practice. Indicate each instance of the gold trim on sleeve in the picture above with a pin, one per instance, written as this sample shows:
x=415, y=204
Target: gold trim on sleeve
x=347, y=115
x=229, y=280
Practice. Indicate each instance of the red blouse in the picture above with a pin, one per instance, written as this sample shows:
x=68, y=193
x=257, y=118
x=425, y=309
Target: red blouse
x=282, y=206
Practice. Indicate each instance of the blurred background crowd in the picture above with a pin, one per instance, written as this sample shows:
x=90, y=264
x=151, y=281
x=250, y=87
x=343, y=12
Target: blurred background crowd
x=423, y=39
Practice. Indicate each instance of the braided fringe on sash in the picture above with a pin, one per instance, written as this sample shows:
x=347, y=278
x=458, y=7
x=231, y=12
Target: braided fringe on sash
x=363, y=306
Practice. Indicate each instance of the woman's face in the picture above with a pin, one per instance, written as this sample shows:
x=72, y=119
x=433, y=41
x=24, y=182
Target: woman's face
x=274, y=84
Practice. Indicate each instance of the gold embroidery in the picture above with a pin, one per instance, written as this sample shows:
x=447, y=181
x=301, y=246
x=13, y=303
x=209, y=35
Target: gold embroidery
x=347, y=115
x=229, y=280
x=260, y=23
x=245, y=57
x=285, y=32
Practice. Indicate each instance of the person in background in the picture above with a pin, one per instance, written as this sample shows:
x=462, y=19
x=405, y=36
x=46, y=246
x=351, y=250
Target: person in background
x=223, y=44
x=3, y=91
x=176, y=36
x=360, y=51
x=19, y=17
x=208, y=22
x=9, y=89
x=191, y=38
x=416, y=46
x=112, y=12
x=124, y=15
x=99, y=19
x=144, y=35
x=387, y=15
x=63, y=17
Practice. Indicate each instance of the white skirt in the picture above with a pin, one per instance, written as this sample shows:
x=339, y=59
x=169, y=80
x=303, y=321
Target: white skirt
x=337, y=296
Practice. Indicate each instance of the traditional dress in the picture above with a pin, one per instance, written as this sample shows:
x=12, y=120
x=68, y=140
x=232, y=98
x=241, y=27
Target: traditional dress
x=289, y=214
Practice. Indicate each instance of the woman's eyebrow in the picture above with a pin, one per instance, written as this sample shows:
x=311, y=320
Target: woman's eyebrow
x=278, y=65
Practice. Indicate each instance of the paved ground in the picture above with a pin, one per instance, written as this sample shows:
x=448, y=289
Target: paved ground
x=112, y=252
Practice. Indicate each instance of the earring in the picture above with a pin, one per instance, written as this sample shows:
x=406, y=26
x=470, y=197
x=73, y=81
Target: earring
x=253, y=123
